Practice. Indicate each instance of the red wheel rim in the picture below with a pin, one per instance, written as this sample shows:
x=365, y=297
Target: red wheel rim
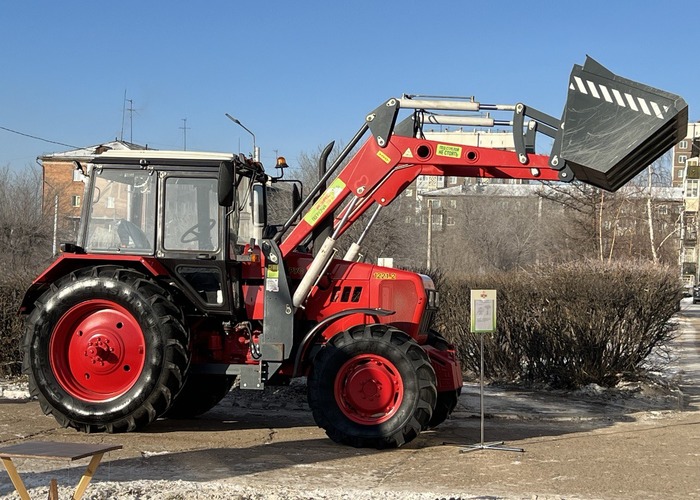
x=368, y=389
x=97, y=350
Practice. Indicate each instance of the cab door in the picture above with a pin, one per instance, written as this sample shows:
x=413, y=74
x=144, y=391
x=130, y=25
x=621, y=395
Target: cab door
x=191, y=237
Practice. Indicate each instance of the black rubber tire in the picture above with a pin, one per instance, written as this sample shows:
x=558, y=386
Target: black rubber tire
x=446, y=400
x=200, y=394
x=417, y=380
x=164, y=356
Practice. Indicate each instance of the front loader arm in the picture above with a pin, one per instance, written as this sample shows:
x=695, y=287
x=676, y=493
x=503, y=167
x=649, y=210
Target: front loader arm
x=611, y=129
x=380, y=175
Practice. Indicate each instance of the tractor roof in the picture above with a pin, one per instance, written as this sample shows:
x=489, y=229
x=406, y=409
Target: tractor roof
x=161, y=157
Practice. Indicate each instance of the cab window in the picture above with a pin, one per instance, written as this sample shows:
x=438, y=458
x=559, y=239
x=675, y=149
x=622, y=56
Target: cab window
x=191, y=214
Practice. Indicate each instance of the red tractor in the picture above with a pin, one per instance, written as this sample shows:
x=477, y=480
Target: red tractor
x=177, y=285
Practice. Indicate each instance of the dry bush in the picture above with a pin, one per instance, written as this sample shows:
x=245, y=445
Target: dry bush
x=566, y=326
x=11, y=328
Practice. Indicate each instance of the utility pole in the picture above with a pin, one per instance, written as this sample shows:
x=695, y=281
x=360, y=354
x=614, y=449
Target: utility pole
x=184, y=129
x=430, y=233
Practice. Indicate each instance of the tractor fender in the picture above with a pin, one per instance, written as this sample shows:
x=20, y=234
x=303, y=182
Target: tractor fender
x=447, y=368
x=67, y=263
x=323, y=325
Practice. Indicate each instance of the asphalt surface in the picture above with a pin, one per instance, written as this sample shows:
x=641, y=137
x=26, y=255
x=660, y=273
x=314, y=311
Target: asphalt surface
x=641, y=441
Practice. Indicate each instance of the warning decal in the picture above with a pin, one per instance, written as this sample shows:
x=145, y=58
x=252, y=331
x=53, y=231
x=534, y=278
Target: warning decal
x=321, y=206
x=449, y=151
x=382, y=156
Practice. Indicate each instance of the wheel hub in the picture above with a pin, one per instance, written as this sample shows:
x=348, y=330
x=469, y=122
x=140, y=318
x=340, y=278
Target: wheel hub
x=369, y=389
x=97, y=350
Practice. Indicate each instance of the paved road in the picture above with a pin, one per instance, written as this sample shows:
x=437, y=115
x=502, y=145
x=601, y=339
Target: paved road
x=593, y=444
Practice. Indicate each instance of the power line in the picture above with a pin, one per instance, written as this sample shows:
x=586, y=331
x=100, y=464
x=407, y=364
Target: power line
x=39, y=138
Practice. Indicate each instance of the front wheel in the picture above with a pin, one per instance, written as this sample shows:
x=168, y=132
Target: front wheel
x=372, y=387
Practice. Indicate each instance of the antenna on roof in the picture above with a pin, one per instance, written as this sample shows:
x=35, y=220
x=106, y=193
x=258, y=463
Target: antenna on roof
x=131, y=110
x=184, y=129
x=121, y=136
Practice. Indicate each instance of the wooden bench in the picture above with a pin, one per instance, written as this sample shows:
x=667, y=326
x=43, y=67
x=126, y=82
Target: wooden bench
x=54, y=450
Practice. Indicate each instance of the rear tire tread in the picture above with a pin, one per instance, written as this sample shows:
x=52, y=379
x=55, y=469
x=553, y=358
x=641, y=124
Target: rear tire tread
x=175, y=354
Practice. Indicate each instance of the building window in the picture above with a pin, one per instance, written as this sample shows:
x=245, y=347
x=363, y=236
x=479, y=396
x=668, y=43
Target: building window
x=663, y=209
x=453, y=203
x=77, y=175
x=75, y=200
x=452, y=180
x=450, y=221
x=409, y=219
x=409, y=192
x=110, y=202
x=683, y=145
x=691, y=188
x=434, y=203
x=682, y=159
x=679, y=173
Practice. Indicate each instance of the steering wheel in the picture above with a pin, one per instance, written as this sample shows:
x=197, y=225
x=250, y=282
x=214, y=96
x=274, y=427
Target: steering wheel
x=193, y=233
x=127, y=230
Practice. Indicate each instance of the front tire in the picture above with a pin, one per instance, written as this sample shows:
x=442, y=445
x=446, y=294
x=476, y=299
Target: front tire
x=105, y=349
x=372, y=387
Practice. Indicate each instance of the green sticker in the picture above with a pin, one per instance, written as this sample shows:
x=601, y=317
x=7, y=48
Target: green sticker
x=449, y=151
x=327, y=198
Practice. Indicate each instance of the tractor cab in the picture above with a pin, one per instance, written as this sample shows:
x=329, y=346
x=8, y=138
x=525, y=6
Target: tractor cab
x=165, y=205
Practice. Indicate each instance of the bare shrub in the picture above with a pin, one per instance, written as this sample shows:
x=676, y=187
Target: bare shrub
x=11, y=328
x=566, y=326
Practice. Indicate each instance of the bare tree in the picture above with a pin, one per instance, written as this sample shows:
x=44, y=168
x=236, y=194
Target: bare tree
x=25, y=233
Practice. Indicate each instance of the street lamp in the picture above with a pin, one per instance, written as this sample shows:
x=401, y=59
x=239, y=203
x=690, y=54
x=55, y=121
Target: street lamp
x=256, y=155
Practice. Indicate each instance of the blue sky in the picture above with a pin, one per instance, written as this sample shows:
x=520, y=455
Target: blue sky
x=302, y=73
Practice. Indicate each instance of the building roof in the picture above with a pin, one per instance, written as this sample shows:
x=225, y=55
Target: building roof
x=91, y=151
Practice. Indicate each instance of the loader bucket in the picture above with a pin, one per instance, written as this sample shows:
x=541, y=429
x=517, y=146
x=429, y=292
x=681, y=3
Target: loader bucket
x=613, y=128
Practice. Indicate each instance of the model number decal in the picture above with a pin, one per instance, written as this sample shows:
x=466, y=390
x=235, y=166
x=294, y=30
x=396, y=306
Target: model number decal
x=377, y=275
x=449, y=151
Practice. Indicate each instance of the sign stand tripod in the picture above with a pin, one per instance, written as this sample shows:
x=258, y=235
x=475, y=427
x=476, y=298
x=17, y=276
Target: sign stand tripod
x=483, y=320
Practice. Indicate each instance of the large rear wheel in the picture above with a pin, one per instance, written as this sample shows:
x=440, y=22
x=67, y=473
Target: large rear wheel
x=105, y=349
x=372, y=387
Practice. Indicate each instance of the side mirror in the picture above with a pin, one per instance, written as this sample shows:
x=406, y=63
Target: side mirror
x=227, y=175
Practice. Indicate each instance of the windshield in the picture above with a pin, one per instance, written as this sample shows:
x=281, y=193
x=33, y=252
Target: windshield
x=122, y=213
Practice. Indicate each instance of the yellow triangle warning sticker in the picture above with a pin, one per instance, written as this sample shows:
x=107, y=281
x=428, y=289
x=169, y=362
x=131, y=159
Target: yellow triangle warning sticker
x=407, y=153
